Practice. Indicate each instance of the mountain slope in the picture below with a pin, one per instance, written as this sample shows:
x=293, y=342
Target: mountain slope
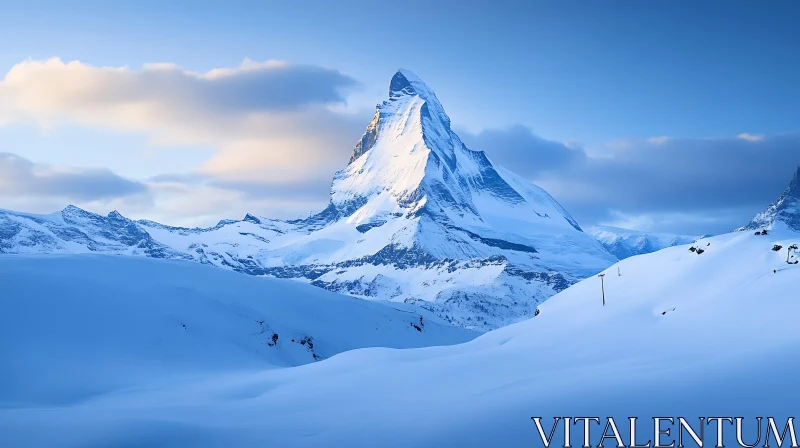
x=624, y=243
x=126, y=318
x=415, y=217
x=637, y=356
x=786, y=210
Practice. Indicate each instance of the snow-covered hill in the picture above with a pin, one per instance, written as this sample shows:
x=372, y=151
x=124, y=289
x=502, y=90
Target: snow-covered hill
x=683, y=333
x=785, y=211
x=415, y=217
x=624, y=243
x=77, y=326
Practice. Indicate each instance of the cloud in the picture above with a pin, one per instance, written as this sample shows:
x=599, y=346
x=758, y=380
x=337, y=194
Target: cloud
x=277, y=132
x=683, y=185
x=21, y=178
x=520, y=149
x=56, y=86
x=678, y=183
x=676, y=221
x=750, y=137
x=658, y=140
x=199, y=201
x=271, y=121
x=194, y=199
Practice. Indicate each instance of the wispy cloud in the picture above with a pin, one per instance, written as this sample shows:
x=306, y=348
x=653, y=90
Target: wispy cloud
x=658, y=140
x=22, y=178
x=750, y=137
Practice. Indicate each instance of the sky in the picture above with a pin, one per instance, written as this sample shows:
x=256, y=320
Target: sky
x=660, y=116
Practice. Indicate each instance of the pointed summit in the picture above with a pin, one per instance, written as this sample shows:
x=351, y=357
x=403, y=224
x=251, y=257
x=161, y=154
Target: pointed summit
x=401, y=84
x=785, y=210
x=409, y=162
x=405, y=83
x=406, y=152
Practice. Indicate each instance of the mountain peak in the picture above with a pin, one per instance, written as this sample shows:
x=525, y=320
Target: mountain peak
x=72, y=210
x=411, y=102
x=251, y=218
x=786, y=209
x=405, y=82
x=409, y=162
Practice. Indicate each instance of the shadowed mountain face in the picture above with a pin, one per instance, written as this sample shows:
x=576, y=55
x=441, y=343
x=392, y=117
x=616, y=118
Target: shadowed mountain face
x=414, y=217
x=784, y=211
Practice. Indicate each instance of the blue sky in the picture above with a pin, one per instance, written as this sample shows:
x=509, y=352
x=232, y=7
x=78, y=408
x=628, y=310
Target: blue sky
x=672, y=116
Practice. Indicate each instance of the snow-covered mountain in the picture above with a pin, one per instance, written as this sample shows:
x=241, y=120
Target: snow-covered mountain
x=682, y=333
x=624, y=243
x=128, y=318
x=784, y=212
x=415, y=217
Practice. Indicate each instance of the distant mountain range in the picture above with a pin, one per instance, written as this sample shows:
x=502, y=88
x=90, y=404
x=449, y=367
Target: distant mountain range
x=624, y=243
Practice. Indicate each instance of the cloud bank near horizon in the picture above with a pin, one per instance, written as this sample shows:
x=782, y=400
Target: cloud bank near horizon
x=680, y=185
x=275, y=128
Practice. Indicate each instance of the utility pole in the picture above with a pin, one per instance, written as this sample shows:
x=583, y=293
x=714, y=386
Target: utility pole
x=603, y=288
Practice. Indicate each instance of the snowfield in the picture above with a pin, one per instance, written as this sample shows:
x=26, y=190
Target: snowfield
x=682, y=334
x=87, y=325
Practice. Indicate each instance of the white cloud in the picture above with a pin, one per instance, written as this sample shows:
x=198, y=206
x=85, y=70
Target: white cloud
x=750, y=137
x=271, y=126
x=658, y=221
x=273, y=117
x=189, y=204
x=193, y=200
x=658, y=140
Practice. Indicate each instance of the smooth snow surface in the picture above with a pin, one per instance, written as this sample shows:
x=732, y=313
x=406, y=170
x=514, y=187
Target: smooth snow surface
x=682, y=334
x=79, y=326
